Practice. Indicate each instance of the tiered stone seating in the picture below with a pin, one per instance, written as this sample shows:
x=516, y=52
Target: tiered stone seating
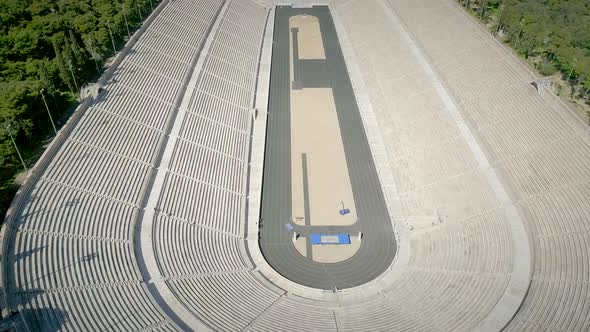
x=467, y=251
x=201, y=206
x=197, y=202
x=190, y=247
x=131, y=104
x=74, y=261
x=448, y=299
x=461, y=242
x=537, y=145
x=293, y=315
x=224, y=301
x=106, y=131
x=88, y=168
x=60, y=204
x=209, y=162
x=92, y=280
x=477, y=244
x=73, y=264
x=380, y=315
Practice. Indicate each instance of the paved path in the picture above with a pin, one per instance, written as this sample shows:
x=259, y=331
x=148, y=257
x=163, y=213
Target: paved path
x=378, y=247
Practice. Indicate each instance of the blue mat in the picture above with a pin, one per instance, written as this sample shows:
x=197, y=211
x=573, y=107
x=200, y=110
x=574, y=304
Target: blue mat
x=330, y=239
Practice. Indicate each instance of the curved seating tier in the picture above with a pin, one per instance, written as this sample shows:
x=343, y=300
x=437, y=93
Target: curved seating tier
x=291, y=315
x=225, y=301
x=381, y=315
x=194, y=250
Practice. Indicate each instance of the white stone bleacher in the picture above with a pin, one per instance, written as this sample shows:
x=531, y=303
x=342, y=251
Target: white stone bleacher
x=131, y=104
x=226, y=133
x=221, y=116
x=57, y=202
x=461, y=240
x=189, y=199
x=194, y=250
x=455, y=300
x=83, y=281
x=294, y=314
x=102, y=172
x=474, y=237
x=538, y=146
x=485, y=85
x=74, y=266
x=426, y=147
x=211, y=150
x=106, y=131
x=473, y=245
x=381, y=315
x=225, y=301
x=200, y=212
x=461, y=251
x=454, y=278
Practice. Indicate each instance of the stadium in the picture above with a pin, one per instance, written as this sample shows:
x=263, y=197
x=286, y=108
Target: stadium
x=344, y=165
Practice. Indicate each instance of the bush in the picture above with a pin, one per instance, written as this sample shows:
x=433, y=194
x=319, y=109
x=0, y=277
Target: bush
x=547, y=69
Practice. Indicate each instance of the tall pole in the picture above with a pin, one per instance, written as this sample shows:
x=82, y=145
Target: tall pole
x=94, y=55
x=15, y=147
x=112, y=39
x=518, y=35
x=572, y=71
x=126, y=23
x=139, y=12
x=73, y=77
x=500, y=19
x=580, y=79
x=47, y=108
x=485, y=3
x=96, y=64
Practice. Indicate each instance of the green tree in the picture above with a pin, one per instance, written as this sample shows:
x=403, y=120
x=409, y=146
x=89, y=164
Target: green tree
x=63, y=71
x=76, y=50
x=46, y=80
x=38, y=38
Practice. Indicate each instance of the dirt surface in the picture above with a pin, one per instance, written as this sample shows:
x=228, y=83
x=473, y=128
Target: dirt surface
x=310, y=37
x=332, y=253
x=300, y=245
x=316, y=141
x=320, y=181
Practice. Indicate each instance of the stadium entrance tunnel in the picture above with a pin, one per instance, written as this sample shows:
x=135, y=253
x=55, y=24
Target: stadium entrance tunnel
x=324, y=220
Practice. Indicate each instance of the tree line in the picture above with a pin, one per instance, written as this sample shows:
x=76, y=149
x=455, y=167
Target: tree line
x=553, y=35
x=48, y=50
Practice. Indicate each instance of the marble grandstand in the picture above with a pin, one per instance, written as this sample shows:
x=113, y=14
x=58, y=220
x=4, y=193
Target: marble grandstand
x=143, y=213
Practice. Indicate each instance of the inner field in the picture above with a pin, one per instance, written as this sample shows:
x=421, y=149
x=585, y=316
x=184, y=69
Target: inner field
x=320, y=181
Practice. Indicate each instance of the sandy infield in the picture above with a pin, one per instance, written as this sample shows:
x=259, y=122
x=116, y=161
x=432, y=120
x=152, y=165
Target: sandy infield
x=317, y=152
x=333, y=253
x=315, y=133
x=300, y=245
x=311, y=45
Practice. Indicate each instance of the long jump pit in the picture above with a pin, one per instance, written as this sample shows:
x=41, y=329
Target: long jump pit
x=323, y=214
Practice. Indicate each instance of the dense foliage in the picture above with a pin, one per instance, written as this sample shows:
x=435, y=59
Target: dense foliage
x=57, y=46
x=554, y=35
